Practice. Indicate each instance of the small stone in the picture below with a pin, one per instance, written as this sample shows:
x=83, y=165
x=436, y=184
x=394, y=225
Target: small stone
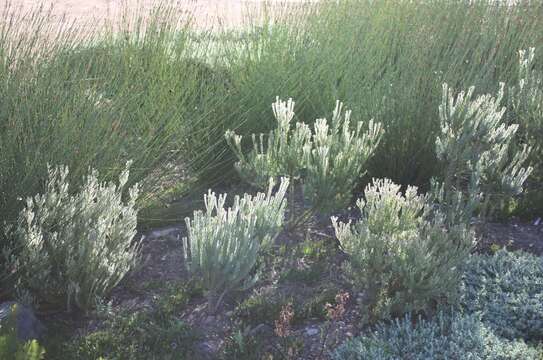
x=261, y=329
x=311, y=331
x=229, y=314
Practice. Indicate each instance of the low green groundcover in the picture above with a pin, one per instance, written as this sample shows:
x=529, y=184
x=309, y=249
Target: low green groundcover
x=448, y=336
x=501, y=308
x=507, y=289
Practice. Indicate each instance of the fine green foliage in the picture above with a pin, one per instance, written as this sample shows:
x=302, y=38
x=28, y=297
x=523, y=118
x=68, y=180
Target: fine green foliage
x=404, y=260
x=526, y=99
x=261, y=307
x=136, y=89
x=526, y=108
x=328, y=161
x=388, y=59
x=11, y=347
x=223, y=244
x=447, y=336
x=72, y=247
x=142, y=335
x=160, y=93
x=242, y=347
x=474, y=146
x=507, y=290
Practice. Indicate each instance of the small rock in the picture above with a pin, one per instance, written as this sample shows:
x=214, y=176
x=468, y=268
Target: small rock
x=229, y=314
x=312, y=331
x=261, y=329
x=28, y=325
x=165, y=232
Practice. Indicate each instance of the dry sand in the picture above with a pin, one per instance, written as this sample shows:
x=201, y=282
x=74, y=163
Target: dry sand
x=206, y=13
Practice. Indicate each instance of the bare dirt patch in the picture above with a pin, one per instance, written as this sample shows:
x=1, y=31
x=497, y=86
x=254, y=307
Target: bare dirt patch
x=514, y=235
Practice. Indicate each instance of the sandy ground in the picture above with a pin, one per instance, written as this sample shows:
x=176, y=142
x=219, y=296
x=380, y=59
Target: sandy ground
x=206, y=13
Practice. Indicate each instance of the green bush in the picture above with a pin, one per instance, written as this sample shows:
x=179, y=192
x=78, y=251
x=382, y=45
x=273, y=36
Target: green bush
x=159, y=93
x=474, y=146
x=261, y=307
x=328, y=161
x=71, y=249
x=223, y=244
x=13, y=348
x=448, y=336
x=242, y=347
x=526, y=108
x=507, y=290
x=141, y=335
x=404, y=260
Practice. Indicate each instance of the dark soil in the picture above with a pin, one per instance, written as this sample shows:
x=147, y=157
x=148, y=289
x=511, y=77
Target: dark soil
x=513, y=235
x=162, y=265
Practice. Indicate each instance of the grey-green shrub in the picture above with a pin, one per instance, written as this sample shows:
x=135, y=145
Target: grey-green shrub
x=72, y=246
x=526, y=99
x=223, y=244
x=328, y=161
x=507, y=290
x=475, y=146
x=526, y=108
x=447, y=336
x=403, y=259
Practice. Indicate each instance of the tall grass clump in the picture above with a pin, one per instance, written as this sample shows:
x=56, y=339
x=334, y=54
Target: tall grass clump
x=388, y=60
x=151, y=89
x=97, y=96
x=391, y=58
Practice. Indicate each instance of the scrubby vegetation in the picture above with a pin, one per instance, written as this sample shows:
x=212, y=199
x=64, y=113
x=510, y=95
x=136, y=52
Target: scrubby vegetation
x=506, y=290
x=13, y=348
x=448, y=336
x=327, y=162
x=489, y=324
x=400, y=254
x=367, y=241
x=72, y=249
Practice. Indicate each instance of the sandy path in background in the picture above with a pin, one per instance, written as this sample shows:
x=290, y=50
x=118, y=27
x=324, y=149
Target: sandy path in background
x=206, y=13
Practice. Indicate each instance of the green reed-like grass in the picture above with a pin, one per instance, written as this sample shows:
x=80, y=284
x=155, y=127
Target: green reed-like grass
x=153, y=89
